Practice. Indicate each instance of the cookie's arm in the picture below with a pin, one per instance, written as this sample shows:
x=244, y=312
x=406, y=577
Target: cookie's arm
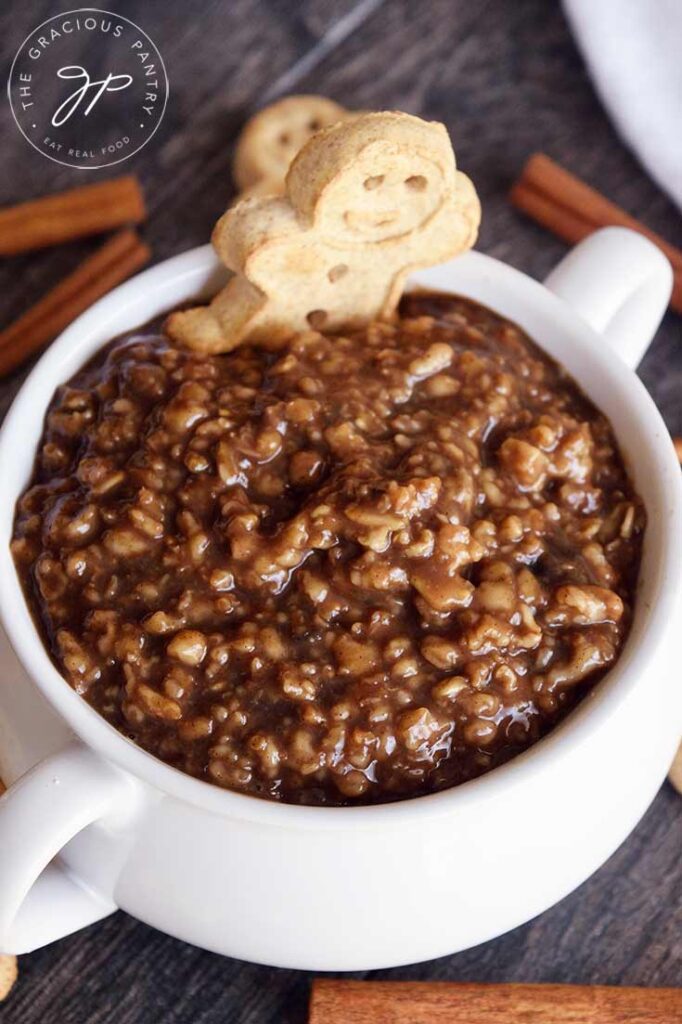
x=246, y=228
x=452, y=230
x=468, y=209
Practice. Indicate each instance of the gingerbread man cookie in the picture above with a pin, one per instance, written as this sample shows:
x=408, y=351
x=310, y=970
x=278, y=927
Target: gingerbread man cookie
x=271, y=139
x=368, y=201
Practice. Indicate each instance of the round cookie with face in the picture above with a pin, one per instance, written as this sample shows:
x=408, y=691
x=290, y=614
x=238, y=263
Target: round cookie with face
x=271, y=139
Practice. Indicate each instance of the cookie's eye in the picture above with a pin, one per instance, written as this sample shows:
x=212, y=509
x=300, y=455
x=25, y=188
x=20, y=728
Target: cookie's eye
x=374, y=182
x=337, y=272
x=314, y=125
x=284, y=139
x=317, y=319
x=416, y=183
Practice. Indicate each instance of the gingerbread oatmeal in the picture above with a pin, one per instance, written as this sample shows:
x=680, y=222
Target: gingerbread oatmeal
x=358, y=569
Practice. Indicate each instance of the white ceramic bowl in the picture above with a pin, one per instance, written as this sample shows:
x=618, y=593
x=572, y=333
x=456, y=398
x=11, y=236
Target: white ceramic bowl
x=348, y=888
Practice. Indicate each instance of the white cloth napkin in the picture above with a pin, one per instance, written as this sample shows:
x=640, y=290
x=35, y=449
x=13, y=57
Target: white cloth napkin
x=633, y=49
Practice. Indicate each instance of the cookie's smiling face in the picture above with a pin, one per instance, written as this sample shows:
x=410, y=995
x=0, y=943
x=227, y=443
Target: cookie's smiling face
x=383, y=194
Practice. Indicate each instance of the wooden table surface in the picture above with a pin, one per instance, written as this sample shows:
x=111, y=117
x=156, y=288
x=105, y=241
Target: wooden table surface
x=507, y=80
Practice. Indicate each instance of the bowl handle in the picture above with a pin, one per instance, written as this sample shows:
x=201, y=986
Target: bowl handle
x=620, y=283
x=39, y=901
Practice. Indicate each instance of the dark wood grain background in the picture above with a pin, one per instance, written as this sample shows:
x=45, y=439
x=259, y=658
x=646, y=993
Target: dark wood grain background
x=506, y=78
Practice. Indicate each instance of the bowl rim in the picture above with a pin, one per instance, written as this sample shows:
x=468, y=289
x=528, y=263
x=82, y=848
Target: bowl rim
x=591, y=715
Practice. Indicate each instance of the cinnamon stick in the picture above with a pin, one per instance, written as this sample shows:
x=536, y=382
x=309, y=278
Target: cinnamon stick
x=116, y=260
x=572, y=210
x=545, y=175
x=396, y=1002
x=82, y=211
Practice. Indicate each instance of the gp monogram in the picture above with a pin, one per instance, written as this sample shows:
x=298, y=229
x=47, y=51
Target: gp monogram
x=112, y=83
x=88, y=88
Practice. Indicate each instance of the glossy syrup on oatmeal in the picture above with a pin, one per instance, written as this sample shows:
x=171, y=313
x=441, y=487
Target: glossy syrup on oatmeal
x=354, y=570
